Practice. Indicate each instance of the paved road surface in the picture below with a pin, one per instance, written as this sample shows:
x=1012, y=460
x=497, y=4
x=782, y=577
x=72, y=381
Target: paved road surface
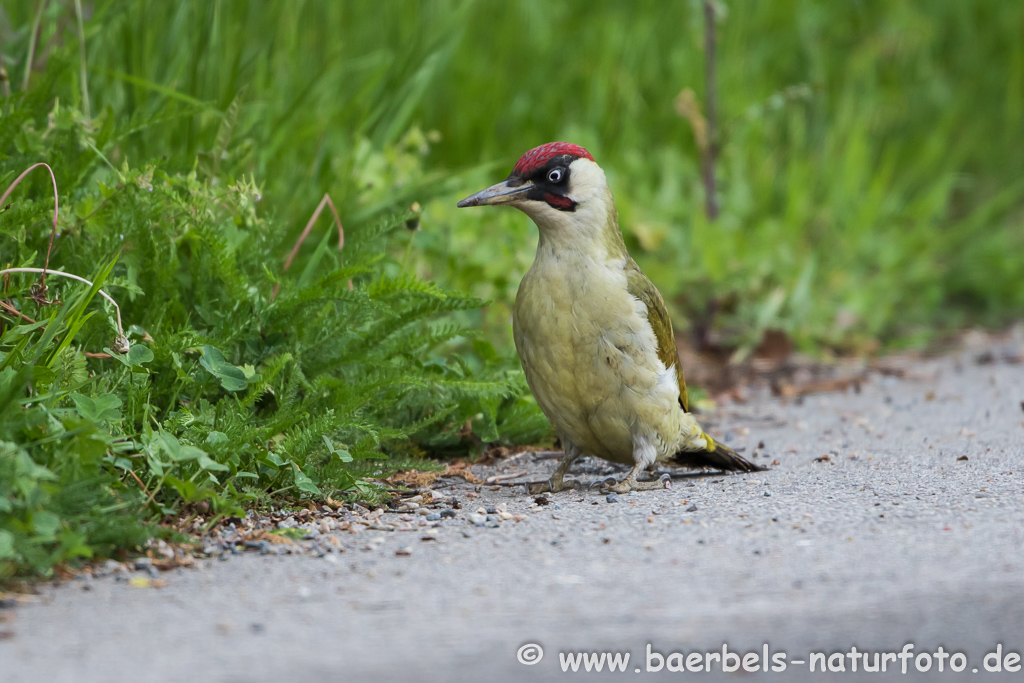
x=892, y=540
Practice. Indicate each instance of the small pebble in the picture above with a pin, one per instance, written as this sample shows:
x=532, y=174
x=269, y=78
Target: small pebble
x=692, y=508
x=433, y=516
x=447, y=513
x=612, y=498
x=404, y=551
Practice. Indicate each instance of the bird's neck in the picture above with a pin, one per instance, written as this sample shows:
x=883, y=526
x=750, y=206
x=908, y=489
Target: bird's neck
x=592, y=230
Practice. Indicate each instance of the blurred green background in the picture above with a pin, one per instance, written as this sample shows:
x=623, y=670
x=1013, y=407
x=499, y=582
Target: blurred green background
x=870, y=183
x=870, y=173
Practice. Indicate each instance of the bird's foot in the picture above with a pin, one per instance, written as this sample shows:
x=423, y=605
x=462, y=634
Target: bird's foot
x=551, y=486
x=629, y=483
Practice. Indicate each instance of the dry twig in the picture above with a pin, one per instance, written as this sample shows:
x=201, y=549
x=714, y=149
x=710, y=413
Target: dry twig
x=326, y=201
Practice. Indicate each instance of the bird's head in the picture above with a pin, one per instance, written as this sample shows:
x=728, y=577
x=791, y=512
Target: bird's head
x=562, y=189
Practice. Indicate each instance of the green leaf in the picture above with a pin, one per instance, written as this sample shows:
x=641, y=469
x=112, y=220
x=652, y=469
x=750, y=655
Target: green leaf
x=101, y=409
x=208, y=463
x=176, y=450
x=188, y=490
x=216, y=438
x=45, y=524
x=121, y=358
x=7, y=551
x=232, y=378
x=303, y=482
x=342, y=455
x=139, y=354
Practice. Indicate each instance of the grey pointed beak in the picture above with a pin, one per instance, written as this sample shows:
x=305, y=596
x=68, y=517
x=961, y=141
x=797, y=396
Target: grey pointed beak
x=502, y=193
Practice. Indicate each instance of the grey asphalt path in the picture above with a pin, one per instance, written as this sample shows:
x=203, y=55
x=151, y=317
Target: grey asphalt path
x=890, y=541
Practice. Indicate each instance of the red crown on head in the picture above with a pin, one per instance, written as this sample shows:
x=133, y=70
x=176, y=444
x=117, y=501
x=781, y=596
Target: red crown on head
x=538, y=156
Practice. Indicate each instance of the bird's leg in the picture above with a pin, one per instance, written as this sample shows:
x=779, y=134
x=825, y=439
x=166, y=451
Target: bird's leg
x=644, y=455
x=557, y=481
x=629, y=482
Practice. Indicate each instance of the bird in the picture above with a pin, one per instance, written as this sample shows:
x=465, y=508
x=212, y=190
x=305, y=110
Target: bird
x=593, y=333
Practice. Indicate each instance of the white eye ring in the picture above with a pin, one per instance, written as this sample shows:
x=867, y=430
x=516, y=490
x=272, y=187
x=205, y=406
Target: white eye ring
x=555, y=175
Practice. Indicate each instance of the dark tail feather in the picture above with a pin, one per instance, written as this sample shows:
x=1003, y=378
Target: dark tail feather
x=717, y=457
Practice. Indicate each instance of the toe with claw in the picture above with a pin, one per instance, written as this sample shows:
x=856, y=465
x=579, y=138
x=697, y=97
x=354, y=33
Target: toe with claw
x=629, y=483
x=551, y=486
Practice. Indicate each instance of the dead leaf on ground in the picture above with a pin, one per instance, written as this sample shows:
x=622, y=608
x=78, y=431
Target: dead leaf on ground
x=462, y=469
x=785, y=389
x=413, y=479
x=421, y=479
x=264, y=535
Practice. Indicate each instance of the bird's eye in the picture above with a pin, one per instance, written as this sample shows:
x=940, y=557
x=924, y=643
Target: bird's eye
x=555, y=175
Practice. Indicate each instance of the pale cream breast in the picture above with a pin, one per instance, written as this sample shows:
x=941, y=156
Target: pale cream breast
x=590, y=357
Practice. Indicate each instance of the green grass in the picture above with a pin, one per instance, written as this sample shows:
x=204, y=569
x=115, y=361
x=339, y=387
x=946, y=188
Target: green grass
x=242, y=383
x=869, y=185
x=869, y=179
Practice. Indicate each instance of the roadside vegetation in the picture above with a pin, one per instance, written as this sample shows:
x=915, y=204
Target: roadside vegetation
x=870, y=194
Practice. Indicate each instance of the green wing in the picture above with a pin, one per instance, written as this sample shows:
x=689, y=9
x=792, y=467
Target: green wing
x=643, y=289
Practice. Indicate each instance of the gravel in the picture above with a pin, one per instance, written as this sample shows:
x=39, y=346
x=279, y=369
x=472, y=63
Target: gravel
x=870, y=531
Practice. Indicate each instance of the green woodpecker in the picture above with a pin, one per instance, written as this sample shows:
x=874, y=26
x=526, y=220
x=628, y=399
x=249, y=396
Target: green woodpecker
x=592, y=332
